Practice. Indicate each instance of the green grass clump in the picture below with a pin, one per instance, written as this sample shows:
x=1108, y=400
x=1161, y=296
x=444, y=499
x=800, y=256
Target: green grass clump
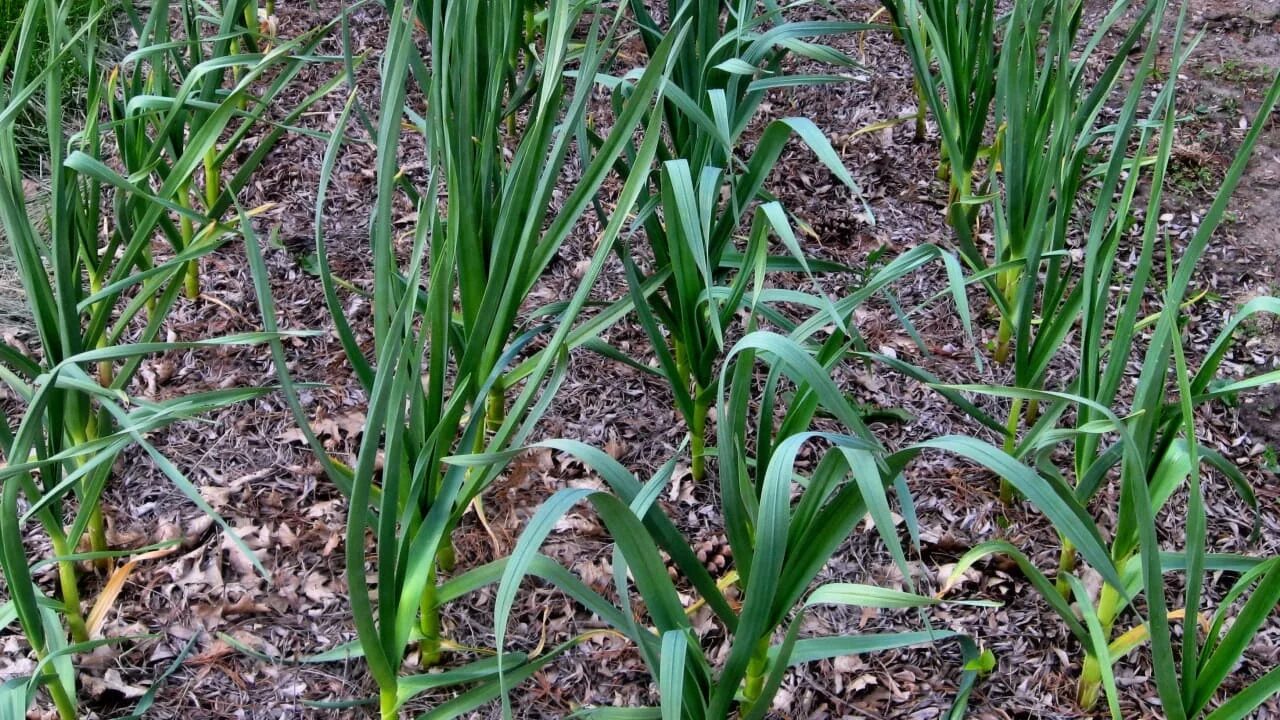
x=28, y=126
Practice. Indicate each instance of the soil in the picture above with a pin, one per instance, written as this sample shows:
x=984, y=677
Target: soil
x=205, y=601
x=1241, y=46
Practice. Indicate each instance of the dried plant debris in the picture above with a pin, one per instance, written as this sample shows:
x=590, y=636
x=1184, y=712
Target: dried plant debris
x=236, y=625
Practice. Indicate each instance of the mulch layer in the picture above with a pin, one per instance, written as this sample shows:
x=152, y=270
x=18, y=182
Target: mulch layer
x=252, y=467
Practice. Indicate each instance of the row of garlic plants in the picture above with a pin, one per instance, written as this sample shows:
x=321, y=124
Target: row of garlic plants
x=461, y=369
